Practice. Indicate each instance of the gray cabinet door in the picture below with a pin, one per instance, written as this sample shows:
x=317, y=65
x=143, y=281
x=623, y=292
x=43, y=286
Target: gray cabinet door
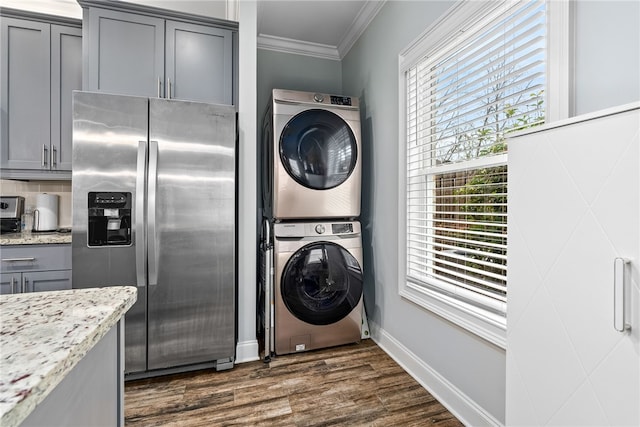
x=38, y=281
x=126, y=53
x=199, y=63
x=24, y=94
x=66, y=76
x=9, y=283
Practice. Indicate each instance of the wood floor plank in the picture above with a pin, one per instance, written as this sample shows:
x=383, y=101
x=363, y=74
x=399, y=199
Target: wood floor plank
x=352, y=385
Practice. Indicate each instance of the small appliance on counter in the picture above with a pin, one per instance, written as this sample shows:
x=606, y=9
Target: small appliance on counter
x=46, y=212
x=11, y=210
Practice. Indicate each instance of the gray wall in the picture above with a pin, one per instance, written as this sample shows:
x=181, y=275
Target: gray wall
x=370, y=70
x=277, y=70
x=606, y=70
x=607, y=54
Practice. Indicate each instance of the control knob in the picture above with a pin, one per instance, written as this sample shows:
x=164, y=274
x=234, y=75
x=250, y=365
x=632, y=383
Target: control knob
x=320, y=229
x=318, y=97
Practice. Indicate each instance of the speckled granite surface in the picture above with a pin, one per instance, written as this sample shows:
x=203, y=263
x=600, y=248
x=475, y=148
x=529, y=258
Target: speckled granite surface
x=43, y=335
x=34, y=238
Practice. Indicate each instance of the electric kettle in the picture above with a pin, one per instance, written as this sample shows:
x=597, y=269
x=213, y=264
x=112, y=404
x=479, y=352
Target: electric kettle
x=46, y=212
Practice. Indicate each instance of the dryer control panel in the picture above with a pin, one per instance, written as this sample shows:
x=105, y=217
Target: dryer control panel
x=314, y=229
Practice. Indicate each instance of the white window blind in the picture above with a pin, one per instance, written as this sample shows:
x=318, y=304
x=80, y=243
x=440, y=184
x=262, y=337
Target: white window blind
x=461, y=100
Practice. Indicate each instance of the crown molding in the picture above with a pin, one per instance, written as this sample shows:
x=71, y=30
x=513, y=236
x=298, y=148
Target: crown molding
x=359, y=25
x=298, y=47
x=318, y=50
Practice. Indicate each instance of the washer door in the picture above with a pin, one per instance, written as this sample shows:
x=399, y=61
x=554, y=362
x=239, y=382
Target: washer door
x=318, y=149
x=321, y=283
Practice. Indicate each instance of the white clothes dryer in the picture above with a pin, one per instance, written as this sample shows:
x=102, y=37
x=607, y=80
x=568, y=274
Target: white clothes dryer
x=317, y=285
x=312, y=154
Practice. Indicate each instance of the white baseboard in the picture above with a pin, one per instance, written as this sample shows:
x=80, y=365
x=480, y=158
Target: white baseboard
x=459, y=404
x=247, y=351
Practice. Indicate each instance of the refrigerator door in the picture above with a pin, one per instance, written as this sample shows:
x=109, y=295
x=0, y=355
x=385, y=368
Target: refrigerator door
x=107, y=131
x=191, y=233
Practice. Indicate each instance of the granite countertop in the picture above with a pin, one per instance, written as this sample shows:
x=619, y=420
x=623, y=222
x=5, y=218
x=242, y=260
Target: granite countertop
x=43, y=335
x=53, y=237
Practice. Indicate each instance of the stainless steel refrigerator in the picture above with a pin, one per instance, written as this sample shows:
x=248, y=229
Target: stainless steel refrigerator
x=154, y=206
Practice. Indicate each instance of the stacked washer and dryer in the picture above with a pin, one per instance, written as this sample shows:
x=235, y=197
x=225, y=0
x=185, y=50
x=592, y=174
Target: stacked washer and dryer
x=310, y=295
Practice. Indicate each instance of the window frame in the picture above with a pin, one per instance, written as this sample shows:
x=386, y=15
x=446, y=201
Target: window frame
x=446, y=30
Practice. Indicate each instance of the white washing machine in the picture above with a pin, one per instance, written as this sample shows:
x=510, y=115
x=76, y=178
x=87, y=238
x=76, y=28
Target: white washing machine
x=312, y=156
x=317, y=285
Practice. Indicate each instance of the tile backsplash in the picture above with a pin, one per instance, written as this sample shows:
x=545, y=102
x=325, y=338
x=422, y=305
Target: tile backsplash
x=29, y=190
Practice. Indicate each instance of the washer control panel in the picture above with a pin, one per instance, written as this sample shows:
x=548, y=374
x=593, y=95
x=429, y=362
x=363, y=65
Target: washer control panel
x=340, y=100
x=342, y=228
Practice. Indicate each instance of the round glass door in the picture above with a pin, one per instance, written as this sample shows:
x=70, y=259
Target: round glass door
x=321, y=283
x=318, y=149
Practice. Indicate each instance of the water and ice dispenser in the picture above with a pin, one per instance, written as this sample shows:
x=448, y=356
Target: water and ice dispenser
x=109, y=219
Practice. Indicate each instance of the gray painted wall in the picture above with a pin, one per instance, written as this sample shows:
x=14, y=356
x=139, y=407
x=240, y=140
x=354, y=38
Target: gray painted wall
x=370, y=70
x=607, y=63
x=607, y=54
x=606, y=70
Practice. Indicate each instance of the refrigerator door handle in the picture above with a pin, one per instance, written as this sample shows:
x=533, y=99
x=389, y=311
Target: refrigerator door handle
x=140, y=242
x=151, y=216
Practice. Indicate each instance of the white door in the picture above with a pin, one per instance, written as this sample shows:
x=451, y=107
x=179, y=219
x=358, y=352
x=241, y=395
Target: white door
x=574, y=192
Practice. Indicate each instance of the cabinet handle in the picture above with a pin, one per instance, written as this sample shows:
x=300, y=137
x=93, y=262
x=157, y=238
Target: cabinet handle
x=619, y=273
x=44, y=155
x=54, y=155
x=23, y=287
x=168, y=88
x=159, y=87
x=25, y=259
x=13, y=285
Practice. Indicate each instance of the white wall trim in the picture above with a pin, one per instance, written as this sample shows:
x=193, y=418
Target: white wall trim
x=247, y=351
x=458, y=403
x=297, y=47
x=559, y=96
x=232, y=10
x=247, y=181
x=359, y=25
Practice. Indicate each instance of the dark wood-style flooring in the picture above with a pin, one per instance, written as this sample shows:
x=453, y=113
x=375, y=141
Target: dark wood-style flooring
x=352, y=385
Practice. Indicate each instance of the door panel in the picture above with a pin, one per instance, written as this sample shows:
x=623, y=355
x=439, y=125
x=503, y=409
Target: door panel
x=198, y=63
x=9, y=283
x=25, y=121
x=106, y=133
x=47, y=280
x=318, y=149
x=321, y=283
x=191, y=309
x=66, y=76
x=126, y=53
x=566, y=363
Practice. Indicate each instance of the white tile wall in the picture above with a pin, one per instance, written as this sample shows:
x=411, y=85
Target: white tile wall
x=29, y=190
x=574, y=197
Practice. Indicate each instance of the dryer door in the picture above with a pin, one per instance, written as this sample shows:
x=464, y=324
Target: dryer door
x=318, y=149
x=321, y=283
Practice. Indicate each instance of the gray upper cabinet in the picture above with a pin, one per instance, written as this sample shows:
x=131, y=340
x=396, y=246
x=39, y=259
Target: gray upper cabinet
x=66, y=72
x=198, y=63
x=40, y=66
x=126, y=53
x=26, y=88
x=138, y=50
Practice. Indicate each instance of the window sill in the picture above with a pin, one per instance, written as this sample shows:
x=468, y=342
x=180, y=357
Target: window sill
x=486, y=325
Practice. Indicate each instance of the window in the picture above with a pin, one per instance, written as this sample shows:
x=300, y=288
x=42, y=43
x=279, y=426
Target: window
x=467, y=83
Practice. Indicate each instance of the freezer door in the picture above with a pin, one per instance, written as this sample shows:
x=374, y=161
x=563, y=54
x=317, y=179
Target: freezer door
x=106, y=134
x=191, y=233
